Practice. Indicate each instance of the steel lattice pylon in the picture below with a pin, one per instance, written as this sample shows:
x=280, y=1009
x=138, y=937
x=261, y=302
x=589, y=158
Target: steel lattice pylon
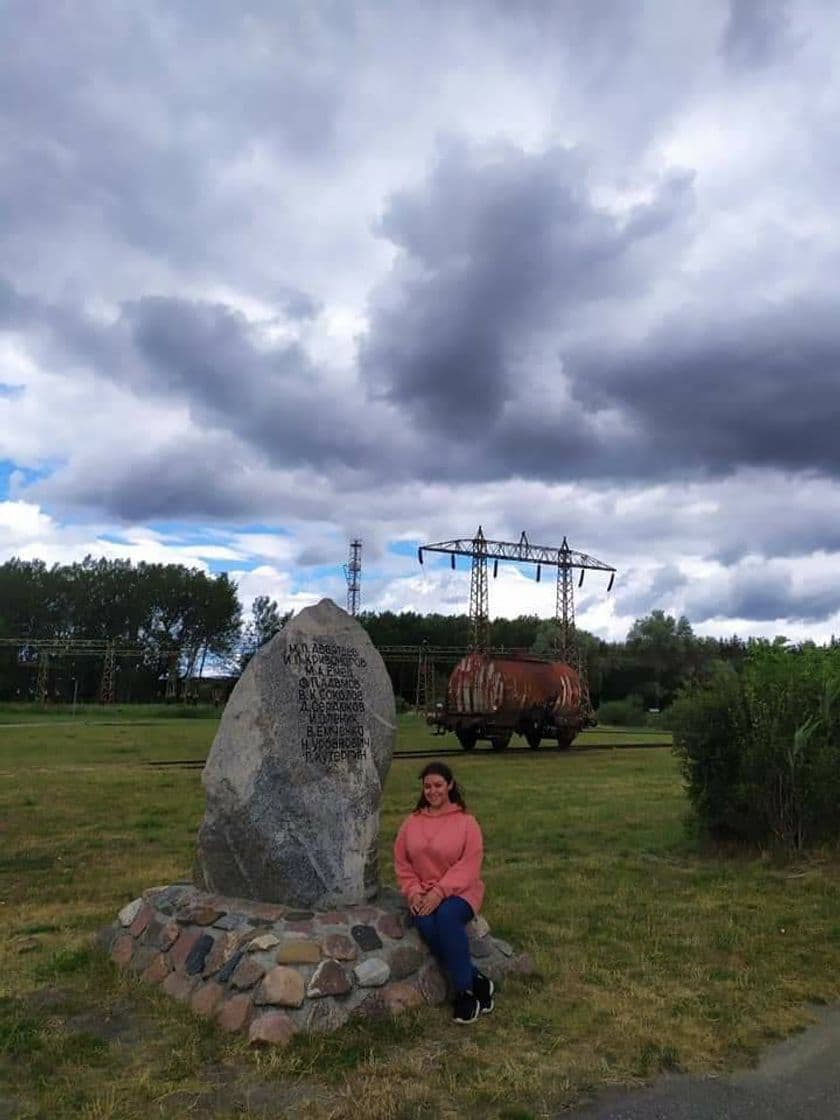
x=565, y=559
x=353, y=575
x=564, y=614
x=479, y=598
x=424, y=694
x=49, y=650
x=41, y=684
x=107, y=687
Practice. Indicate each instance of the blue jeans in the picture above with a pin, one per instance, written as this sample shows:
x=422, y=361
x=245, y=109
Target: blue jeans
x=444, y=932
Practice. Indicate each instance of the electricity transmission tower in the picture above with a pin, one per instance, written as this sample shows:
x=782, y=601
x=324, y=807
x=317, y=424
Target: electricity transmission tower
x=424, y=695
x=45, y=653
x=353, y=575
x=107, y=687
x=564, y=559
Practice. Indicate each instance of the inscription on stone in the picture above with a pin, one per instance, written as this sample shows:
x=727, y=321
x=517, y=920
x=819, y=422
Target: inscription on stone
x=331, y=702
x=295, y=774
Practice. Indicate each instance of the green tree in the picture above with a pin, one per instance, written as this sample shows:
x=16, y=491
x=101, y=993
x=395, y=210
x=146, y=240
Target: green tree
x=265, y=622
x=158, y=607
x=664, y=649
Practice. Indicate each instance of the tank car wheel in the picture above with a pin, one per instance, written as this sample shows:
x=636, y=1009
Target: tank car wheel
x=533, y=739
x=467, y=737
x=564, y=741
x=500, y=742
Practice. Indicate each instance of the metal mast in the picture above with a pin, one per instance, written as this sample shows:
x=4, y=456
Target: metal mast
x=479, y=599
x=424, y=692
x=564, y=613
x=41, y=684
x=353, y=575
x=565, y=559
x=107, y=685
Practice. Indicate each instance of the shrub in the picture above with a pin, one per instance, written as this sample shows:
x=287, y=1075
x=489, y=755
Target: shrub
x=706, y=725
x=629, y=712
x=760, y=748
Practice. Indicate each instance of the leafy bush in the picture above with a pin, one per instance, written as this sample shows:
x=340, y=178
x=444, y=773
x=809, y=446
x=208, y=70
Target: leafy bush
x=629, y=712
x=706, y=723
x=760, y=748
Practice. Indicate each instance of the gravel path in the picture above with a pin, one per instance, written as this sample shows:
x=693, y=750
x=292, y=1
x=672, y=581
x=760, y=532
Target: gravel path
x=798, y=1079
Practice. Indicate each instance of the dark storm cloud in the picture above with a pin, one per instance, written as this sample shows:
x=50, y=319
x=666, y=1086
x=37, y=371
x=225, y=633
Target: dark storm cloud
x=268, y=396
x=123, y=139
x=756, y=31
x=489, y=352
x=763, y=595
x=500, y=254
x=16, y=310
x=496, y=247
x=635, y=595
x=208, y=477
x=209, y=356
x=316, y=555
x=759, y=388
x=188, y=481
x=299, y=305
x=202, y=203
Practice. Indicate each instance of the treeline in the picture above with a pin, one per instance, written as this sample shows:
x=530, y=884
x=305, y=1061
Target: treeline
x=660, y=655
x=154, y=609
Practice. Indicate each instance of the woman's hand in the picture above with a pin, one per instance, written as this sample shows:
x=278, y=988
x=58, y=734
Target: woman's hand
x=415, y=901
x=428, y=902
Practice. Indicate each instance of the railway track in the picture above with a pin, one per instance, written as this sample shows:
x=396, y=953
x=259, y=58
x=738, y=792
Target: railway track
x=449, y=752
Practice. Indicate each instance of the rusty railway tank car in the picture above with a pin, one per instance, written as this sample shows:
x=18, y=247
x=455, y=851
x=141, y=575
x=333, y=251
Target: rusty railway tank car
x=491, y=696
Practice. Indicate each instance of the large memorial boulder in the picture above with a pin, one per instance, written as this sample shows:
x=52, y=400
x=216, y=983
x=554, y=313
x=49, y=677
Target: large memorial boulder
x=294, y=777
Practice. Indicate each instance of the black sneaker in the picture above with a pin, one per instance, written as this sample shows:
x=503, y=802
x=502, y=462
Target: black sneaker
x=484, y=988
x=466, y=1008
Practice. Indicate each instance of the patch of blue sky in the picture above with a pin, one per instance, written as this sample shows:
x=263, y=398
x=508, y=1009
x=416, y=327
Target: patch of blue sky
x=192, y=532
x=6, y=469
x=10, y=392
x=444, y=560
x=273, y=530
x=317, y=573
x=404, y=548
x=197, y=537
x=22, y=476
x=215, y=565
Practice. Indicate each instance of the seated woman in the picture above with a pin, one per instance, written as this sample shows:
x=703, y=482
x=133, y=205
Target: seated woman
x=437, y=858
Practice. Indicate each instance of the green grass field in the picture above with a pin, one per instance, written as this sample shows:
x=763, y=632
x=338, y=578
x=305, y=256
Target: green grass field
x=28, y=713
x=653, y=956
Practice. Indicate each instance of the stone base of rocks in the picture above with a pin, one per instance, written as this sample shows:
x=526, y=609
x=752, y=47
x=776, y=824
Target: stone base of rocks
x=270, y=971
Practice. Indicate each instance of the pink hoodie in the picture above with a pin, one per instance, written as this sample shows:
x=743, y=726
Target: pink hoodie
x=441, y=850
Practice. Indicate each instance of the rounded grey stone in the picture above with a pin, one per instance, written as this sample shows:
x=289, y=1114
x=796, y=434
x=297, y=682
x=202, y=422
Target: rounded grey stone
x=372, y=973
x=129, y=912
x=503, y=946
x=294, y=777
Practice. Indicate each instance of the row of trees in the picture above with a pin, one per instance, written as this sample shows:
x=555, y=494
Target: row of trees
x=156, y=608
x=660, y=655
x=151, y=608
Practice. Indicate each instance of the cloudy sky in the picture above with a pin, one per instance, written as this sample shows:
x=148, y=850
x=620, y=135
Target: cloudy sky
x=277, y=274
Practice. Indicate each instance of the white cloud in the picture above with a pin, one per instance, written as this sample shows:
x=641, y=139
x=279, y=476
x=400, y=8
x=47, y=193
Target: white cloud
x=634, y=203
x=276, y=584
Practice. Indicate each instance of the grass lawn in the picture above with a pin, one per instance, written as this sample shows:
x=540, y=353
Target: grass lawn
x=653, y=956
x=30, y=713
